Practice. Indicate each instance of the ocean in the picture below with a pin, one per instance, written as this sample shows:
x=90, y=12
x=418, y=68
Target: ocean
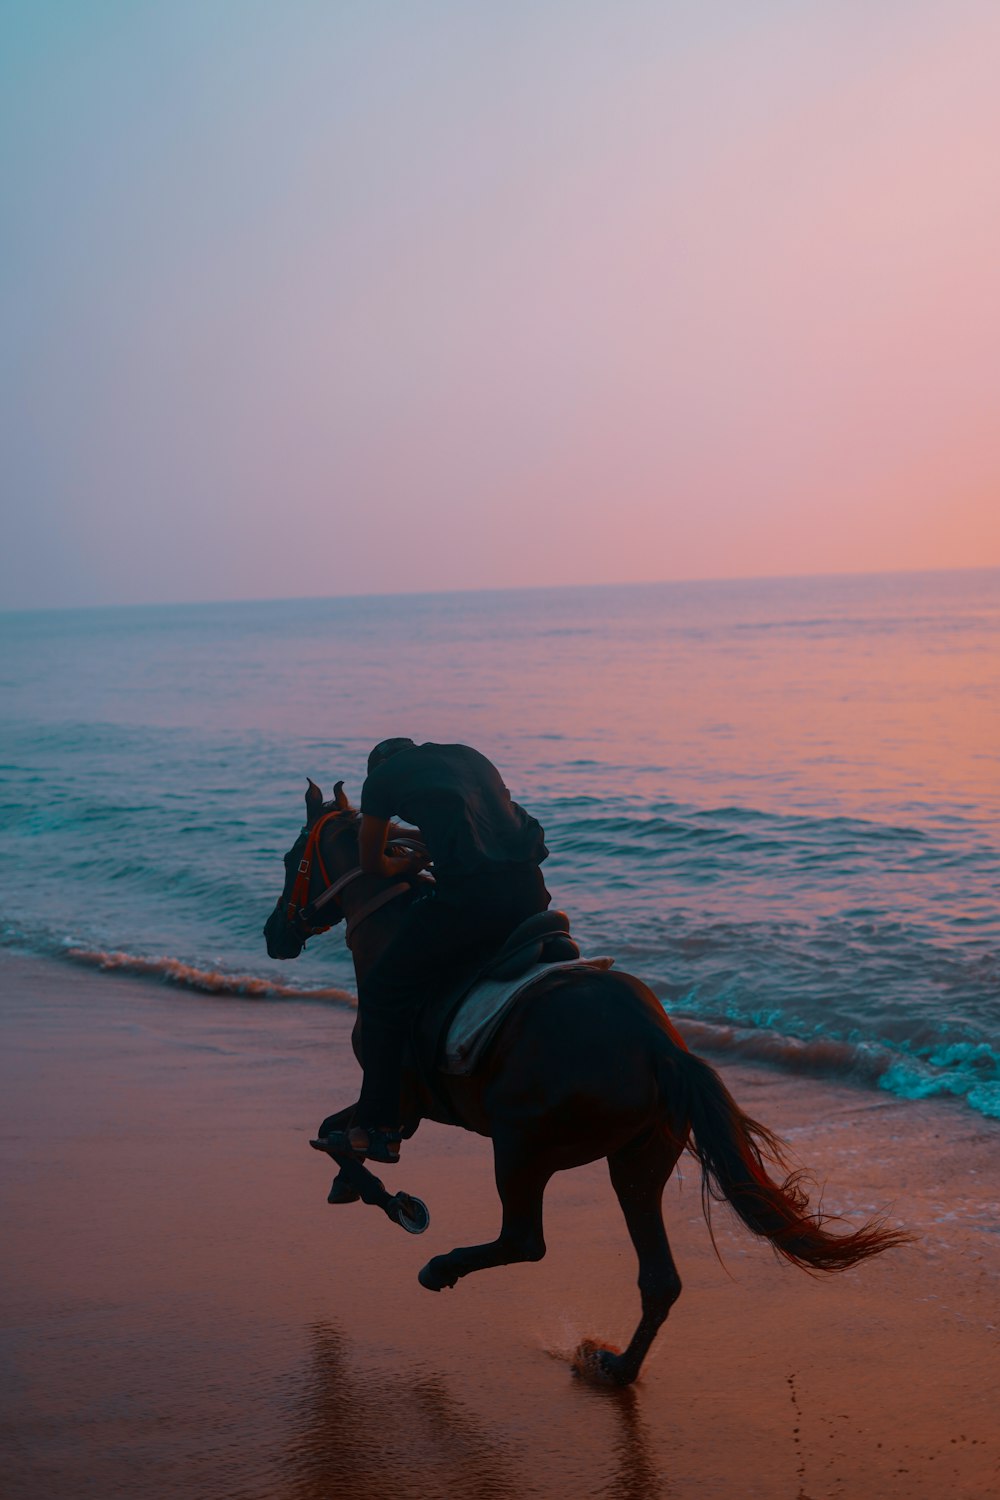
x=775, y=801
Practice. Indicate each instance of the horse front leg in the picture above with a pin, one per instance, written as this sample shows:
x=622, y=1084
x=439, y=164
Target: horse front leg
x=638, y=1175
x=521, y=1180
x=342, y=1189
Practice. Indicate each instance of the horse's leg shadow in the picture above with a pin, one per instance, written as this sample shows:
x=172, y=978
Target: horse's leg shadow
x=638, y=1175
x=521, y=1180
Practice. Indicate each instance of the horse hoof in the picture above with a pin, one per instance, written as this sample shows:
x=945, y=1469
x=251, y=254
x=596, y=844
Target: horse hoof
x=600, y=1365
x=412, y=1214
x=342, y=1192
x=434, y=1276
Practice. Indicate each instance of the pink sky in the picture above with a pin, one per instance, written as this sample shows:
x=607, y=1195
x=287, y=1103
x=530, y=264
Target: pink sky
x=307, y=299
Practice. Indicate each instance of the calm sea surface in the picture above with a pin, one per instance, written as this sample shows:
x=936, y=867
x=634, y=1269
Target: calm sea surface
x=777, y=802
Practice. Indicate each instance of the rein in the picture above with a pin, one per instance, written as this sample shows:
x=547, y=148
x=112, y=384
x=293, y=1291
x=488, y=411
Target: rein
x=382, y=899
x=301, y=912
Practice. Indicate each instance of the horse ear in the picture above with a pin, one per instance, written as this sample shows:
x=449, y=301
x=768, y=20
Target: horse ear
x=341, y=798
x=314, y=802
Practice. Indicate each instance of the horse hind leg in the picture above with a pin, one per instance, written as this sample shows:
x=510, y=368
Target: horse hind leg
x=521, y=1181
x=638, y=1174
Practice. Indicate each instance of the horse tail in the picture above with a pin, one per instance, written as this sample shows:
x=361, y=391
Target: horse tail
x=733, y=1150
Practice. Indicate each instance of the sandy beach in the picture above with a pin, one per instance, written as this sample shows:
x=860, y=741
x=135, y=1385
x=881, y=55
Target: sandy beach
x=184, y=1315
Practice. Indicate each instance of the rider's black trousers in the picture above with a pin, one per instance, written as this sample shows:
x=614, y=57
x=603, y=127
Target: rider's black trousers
x=442, y=937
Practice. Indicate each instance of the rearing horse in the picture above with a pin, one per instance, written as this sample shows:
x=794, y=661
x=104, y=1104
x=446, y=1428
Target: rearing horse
x=586, y=1066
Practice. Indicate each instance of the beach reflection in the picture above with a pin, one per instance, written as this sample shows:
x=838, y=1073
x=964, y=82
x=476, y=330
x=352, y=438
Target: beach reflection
x=368, y=1433
x=634, y=1475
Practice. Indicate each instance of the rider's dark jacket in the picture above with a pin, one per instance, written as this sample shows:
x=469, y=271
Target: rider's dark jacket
x=457, y=799
x=486, y=853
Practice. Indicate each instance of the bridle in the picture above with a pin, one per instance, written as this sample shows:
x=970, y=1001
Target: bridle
x=301, y=913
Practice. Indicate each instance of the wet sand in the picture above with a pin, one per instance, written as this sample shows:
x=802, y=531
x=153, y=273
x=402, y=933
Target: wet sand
x=183, y=1314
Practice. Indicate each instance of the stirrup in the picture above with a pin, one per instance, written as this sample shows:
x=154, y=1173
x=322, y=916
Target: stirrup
x=379, y=1148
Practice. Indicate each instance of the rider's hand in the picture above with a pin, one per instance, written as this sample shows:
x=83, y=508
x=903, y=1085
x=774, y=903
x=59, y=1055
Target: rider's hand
x=404, y=861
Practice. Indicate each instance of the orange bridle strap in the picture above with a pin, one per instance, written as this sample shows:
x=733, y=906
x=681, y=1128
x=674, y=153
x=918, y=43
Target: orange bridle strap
x=311, y=854
x=299, y=902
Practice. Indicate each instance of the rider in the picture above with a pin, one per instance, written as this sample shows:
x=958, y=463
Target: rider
x=486, y=852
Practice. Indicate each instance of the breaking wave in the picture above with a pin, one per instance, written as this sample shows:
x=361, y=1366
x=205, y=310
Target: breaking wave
x=969, y=1071
x=205, y=981
x=820, y=1057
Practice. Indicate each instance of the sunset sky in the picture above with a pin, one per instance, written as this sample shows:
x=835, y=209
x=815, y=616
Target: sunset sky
x=310, y=297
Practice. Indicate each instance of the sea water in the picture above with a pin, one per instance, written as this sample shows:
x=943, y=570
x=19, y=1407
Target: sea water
x=777, y=802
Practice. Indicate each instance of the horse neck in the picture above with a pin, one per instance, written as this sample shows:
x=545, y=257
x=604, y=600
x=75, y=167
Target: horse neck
x=374, y=935
x=377, y=931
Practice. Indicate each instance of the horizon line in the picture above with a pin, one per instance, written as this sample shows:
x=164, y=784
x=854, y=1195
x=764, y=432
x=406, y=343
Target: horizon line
x=523, y=588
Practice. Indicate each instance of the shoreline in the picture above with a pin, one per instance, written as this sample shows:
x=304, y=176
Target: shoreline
x=183, y=1313
x=857, y=1063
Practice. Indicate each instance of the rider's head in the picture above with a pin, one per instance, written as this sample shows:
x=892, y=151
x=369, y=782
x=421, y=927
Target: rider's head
x=384, y=749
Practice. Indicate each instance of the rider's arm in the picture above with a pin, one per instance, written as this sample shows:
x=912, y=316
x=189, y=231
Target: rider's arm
x=374, y=859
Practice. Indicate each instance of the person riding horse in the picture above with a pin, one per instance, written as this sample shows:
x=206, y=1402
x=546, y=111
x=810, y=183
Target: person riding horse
x=486, y=852
x=596, y=1070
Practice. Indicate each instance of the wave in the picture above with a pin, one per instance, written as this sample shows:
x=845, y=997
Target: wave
x=820, y=1056
x=970, y=1072
x=915, y=1067
x=965, y=1071
x=205, y=981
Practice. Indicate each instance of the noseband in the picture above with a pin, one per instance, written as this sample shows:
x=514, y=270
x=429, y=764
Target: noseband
x=300, y=912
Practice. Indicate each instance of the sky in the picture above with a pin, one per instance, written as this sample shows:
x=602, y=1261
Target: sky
x=315, y=297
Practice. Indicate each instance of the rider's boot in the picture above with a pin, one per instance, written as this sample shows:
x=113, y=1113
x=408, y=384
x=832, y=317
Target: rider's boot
x=374, y=1144
x=363, y=1142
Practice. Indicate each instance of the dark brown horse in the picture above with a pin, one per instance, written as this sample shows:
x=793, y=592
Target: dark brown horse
x=588, y=1067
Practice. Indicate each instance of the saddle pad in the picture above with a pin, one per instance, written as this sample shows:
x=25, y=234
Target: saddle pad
x=480, y=1014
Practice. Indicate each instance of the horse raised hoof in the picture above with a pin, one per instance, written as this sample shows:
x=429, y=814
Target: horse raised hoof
x=600, y=1365
x=437, y=1274
x=409, y=1212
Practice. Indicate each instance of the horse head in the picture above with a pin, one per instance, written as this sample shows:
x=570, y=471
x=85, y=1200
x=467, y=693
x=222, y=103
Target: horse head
x=320, y=854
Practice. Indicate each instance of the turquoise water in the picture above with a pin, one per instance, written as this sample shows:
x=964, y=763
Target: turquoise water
x=777, y=801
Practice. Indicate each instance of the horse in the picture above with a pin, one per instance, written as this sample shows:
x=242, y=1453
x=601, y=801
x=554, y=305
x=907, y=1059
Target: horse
x=586, y=1066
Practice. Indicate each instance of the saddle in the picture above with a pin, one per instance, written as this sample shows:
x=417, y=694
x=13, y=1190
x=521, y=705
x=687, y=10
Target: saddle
x=541, y=939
